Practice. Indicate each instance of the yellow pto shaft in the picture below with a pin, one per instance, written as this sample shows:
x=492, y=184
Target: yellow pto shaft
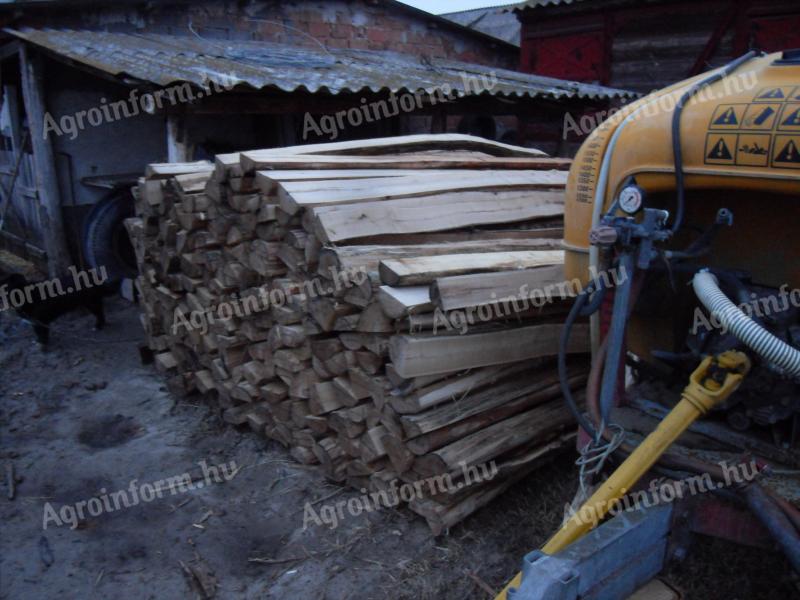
x=713, y=382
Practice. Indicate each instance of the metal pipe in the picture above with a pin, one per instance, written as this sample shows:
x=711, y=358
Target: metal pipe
x=616, y=335
x=776, y=522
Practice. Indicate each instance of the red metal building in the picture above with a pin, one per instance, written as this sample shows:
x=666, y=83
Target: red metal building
x=647, y=44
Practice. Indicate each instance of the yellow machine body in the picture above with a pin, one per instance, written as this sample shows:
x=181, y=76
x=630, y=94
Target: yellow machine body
x=740, y=139
x=741, y=146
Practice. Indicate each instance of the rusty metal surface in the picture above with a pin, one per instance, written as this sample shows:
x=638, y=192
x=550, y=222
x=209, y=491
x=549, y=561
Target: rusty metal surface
x=164, y=60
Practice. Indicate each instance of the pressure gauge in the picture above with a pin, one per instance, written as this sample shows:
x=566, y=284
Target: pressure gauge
x=630, y=199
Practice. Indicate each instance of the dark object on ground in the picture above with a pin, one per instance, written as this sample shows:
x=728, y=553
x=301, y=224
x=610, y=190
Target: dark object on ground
x=146, y=354
x=105, y=241
x=43, y=304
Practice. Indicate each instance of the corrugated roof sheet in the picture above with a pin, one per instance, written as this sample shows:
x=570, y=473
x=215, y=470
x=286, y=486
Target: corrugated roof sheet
x=539, y=3
x=497, y=21
x=164, y=60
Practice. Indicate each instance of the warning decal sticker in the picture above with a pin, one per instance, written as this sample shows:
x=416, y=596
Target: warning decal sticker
x=763, y=133
x=720, y=148
x=790, y=118
x=761, y=116
x=728, y=116
x=752, y=149
x=786, y=152
x=772, y=94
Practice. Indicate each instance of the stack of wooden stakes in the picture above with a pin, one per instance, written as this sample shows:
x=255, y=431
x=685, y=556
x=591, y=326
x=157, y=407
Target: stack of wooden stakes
x=374, y=306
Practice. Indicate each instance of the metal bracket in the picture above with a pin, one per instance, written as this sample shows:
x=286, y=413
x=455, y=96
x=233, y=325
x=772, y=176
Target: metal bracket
x=609, y=563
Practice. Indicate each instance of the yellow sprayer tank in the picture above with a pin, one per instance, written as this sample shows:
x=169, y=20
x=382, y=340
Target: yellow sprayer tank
x=740, y=139
x=741, y=149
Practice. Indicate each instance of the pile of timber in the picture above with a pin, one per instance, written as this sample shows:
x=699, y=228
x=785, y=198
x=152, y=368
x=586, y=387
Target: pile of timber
x=350, y=301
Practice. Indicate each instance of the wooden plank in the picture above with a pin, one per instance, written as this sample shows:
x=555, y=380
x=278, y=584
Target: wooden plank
x=392, y=145
x=397, y=302
x=428, y=442
x=479, y=401
x=267, y=181
x=166, y=170
x=406, y=161
x=461, y=291
x=443, y=180
x=432, y=393
x=426, y=269
x=294, y=196
x=413, y=356
x=420, y=142
x=438, y=212
x=551, y=232
x=539, y=424
x=368, y=257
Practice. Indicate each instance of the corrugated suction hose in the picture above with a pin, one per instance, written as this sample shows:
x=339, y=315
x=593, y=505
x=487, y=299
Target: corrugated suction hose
x=746, y=330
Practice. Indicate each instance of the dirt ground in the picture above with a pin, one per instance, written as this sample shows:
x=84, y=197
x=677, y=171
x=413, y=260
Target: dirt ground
x=86, y=418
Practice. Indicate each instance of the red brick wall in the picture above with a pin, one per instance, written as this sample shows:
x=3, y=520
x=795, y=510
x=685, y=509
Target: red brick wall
x=365, y=25
x=357, y=24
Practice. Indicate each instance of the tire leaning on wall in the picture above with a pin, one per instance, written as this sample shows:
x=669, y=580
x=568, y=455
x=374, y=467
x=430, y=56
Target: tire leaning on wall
x=105, y=240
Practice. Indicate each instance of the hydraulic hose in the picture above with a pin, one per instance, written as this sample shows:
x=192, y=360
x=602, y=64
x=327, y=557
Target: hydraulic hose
x=755, y=337
x=566, y=331
x=677, y=149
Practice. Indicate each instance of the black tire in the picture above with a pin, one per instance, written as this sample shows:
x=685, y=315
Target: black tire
x=105, y=239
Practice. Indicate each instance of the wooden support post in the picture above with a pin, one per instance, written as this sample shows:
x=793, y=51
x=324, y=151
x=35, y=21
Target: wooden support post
x=178, y=147
x=439, y=121
x=725, y=23
x=522, y=128
x=55, y=241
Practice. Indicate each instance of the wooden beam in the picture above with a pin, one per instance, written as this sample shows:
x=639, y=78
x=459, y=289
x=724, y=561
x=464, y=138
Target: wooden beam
x=413, y=356
x=393, y=145
x=267, y=181
x=435, y=212
x=424, y=270
x=399, y=302
x=405, y=161
x=368, y=257
x=295, y=196
x=461, y=291
x=55, y=241
x=461, y=426
x=539, y=424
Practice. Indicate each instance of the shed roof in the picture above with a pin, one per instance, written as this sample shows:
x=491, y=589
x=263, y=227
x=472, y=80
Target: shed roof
x=164, y=60
x=497, y=21
x=543, y=3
